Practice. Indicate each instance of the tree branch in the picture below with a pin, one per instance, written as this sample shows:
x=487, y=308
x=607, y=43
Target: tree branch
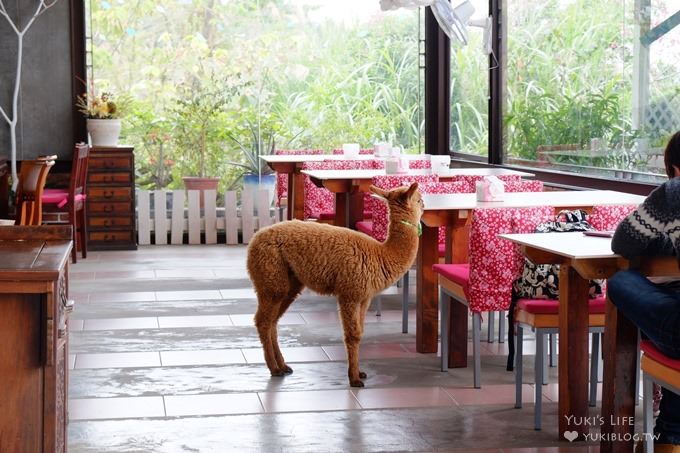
x=3, y=12
x=4, y=115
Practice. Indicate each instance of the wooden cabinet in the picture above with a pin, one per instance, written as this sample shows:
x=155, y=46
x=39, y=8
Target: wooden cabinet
x=34, y=337
x=111, y=199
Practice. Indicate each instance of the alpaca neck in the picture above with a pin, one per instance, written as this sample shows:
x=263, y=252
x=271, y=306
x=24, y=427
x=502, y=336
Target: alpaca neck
x=401, y=244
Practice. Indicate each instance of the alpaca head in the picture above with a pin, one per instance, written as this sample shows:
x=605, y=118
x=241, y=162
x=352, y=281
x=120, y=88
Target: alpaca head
x=405, y=203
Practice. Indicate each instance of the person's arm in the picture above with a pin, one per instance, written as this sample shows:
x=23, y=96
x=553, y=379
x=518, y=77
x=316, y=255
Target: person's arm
x=654, y=227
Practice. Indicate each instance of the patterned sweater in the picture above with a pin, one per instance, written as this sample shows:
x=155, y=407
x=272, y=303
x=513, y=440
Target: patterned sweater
x=654, y=227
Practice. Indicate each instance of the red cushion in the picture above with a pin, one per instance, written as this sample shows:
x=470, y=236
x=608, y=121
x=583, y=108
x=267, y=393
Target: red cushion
x=650, y=350
x=441, y=250
x=551, y=306
x=457, y=273
x=326, y=215
x=55, y=196
x=365, y=226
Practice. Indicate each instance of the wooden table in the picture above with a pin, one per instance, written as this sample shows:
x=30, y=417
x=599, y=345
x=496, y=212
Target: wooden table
x=4, y=187
x=349, y=186
x=34, y=338
x=583, y=258
x=452, y=211
x=291, y=164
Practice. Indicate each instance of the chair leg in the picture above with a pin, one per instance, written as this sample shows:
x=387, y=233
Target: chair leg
x=519, y=339
x=647, y=413
x=83, y=233
x=538, y=378
x=594, y=361
x=404, y=304
x=476, y=345
x=489, y=334
x=378, y=305
x=444, y=306
x=553, y=350
x=545, y=362
x=637, y=372
x=501, y=326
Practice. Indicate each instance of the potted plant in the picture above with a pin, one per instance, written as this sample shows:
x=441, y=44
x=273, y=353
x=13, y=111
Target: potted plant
x=199, y=133
x=103, y=114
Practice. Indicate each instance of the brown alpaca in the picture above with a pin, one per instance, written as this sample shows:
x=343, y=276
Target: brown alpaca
x=288, y=256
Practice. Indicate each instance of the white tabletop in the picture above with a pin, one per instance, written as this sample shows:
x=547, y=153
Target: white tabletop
x=571, y=245
x=558, y=199
x=452, y=172
x=297, y=158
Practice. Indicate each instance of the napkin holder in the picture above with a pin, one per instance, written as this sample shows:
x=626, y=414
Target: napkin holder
x=490, y=189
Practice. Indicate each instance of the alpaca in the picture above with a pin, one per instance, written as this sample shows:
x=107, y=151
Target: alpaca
x=289, y=256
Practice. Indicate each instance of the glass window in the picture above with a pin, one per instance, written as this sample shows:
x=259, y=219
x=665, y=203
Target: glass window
x=281, y=73
x=470, y=87
x=592, y=87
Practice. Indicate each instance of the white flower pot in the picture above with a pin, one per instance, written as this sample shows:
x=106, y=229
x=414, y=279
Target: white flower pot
x=103, y=132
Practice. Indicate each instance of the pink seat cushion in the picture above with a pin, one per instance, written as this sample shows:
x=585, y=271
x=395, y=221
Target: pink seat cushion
x=457, y=273
x=365, y=226
x=441, y=250
x=59, y=197
x=650, y=350
x=551, y=306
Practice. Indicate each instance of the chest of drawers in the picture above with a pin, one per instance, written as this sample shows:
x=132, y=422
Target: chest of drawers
x=111, y=199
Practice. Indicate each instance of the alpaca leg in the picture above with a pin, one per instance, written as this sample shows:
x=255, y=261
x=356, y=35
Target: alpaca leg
x=295, y=288
x=265, y=320
x=362, y=317
x=350, y=315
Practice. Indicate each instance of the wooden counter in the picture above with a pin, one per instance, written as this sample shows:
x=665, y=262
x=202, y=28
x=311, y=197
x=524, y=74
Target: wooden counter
x=34, y=338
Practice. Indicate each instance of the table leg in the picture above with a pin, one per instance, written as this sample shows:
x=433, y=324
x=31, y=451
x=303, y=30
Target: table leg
x=356, y=209
x=291, y=196
x=342, y=209
x=298, y=195
x=618, y=387
x=427, y=308
x=573, y=360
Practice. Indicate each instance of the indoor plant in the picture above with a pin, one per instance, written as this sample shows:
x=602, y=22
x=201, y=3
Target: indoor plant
x=103, y=113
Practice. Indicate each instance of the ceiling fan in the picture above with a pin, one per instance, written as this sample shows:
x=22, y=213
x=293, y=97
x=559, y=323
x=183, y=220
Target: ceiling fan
x=454, y=21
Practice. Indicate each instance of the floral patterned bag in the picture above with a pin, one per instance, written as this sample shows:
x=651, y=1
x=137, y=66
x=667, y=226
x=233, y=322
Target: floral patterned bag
x=542, y=281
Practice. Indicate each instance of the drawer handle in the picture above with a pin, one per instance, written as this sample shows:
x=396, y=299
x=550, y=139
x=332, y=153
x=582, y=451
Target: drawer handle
x=107, y=222
x=108, y=208
x=108, y=194
x=108, y=178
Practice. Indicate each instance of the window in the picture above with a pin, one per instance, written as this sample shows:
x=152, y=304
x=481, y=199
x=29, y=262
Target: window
x=298, y=73
x=592, y=87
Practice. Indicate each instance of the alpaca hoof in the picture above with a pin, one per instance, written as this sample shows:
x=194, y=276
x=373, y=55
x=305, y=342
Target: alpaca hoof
x=278, y=373
x=287, y=370
x=356, y=383
x=362, y=375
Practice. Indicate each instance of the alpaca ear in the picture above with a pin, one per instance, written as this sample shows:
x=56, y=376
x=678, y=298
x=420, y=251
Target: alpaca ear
x=378, y=191
x=411, y=190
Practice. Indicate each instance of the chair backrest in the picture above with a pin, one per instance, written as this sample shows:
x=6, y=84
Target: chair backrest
x=605, y=218
x=81, y=157
x=32, y=179
x=319, y=199
x=380, y=216
x=282, y=178
x=361, y=151
x=420, y=162
x=524, y=185
x=472, y=180
x=494, y=262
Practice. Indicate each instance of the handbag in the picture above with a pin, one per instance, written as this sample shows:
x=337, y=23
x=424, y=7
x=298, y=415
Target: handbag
x=542, y=281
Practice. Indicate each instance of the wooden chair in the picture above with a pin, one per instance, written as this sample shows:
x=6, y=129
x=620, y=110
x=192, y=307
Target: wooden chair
x=71, y=201
x=485, y=283
x=32, y=177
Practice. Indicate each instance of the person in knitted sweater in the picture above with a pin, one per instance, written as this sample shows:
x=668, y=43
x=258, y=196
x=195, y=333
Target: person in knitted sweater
x=653, y=229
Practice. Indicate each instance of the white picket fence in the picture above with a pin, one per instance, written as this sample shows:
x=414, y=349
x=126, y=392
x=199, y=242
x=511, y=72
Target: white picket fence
x=179, y=212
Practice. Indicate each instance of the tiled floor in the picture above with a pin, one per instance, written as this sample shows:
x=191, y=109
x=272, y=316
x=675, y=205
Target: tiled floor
x=173, y=363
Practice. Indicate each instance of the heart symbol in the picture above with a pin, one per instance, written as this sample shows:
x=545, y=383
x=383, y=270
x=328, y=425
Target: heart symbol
x=570, y=435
